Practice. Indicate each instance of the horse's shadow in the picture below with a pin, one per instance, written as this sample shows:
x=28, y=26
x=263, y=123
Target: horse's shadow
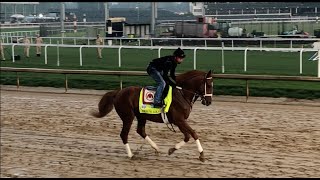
x=146, y=154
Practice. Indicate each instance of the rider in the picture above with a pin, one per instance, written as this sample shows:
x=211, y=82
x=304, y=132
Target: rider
x=159, y=68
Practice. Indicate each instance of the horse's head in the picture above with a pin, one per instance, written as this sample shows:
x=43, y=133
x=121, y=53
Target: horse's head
x=199, y=83
x=205, y=90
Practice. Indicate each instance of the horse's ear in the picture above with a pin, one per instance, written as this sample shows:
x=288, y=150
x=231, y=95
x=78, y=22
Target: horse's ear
x=209, y=74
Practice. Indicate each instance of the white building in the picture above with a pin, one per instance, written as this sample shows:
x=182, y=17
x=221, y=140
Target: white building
x=197, y=8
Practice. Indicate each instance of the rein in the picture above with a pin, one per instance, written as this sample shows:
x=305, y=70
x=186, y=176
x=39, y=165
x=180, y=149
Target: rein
x=196, y=95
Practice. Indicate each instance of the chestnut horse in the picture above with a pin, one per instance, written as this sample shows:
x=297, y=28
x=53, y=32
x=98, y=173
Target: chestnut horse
x=193, y=84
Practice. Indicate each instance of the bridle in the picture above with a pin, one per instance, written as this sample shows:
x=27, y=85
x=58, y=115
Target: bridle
x=196, y=94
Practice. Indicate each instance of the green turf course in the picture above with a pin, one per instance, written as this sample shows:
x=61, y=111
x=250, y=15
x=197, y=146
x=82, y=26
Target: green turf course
x=268, y=63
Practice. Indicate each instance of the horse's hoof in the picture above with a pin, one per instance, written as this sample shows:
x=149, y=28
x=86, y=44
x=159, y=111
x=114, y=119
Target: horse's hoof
x=157, y=152
x=171, y=150
x=201, y=157
x=134, y=157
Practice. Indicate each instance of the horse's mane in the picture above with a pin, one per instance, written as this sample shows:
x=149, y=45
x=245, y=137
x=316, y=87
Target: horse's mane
x=188, y=74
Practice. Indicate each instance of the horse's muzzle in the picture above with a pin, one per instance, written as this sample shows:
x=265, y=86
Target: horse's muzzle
x=206, y=102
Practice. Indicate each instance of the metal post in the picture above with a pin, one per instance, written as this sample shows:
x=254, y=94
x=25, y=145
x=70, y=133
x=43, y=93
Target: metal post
x=46, y=54
x=245, y=59
x=232, y=44
x=58, y=58
x=23, y=9
x=18, y=81
x=318, y=64
x=222, y=65
x=13, y=53
x=195, y=58
x=247, y=89
x=80, y=55
x=153, y=18
x=301, y=61
x=138, y=15
x=62, y=18
x=156, y=10
x=106, y=12
x=159, y=54
x=120, y=56
x=109, y=26
x=5, y=11
x=65, y=83
x=120, y=81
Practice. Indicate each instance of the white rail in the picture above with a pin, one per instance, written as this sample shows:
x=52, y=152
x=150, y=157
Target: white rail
x=245, y=49
x=9, y=39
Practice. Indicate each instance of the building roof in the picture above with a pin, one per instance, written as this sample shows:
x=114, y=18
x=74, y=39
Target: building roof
x=19, y=2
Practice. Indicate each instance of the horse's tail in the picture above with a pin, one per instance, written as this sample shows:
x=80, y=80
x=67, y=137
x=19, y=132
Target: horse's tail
x=105, y=104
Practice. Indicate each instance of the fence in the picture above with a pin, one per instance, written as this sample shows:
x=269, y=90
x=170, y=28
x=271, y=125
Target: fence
x=245, y=49
x=142, y=73
x=20, y=33
x=200, y=42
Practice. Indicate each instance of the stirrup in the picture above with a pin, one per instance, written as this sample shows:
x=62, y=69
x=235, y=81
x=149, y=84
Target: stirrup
x=158, y=105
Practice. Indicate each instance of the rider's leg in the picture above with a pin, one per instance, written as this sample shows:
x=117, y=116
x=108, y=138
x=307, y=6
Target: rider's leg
x=160, y=84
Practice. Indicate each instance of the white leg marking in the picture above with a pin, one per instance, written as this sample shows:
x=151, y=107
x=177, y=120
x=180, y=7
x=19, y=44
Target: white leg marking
x=179, y=145
x=199, y=146
x=128, y=150
x=151, y=143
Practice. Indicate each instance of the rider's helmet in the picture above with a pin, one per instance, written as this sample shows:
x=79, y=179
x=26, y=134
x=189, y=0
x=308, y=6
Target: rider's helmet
x=179, y=53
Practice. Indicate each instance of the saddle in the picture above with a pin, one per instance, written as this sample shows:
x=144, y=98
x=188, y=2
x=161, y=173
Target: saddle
x=146, y=100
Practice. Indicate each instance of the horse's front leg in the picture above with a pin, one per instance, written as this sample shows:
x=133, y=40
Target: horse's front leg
x=186, y=129
x=180, y=144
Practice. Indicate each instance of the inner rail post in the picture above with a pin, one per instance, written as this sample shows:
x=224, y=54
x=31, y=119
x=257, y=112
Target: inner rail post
x=247, y=90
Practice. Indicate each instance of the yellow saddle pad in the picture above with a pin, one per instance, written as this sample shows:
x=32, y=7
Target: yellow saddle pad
x=148, y=107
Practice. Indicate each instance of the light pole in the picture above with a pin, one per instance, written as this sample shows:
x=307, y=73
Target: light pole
x=138, y=13
x=62, y=18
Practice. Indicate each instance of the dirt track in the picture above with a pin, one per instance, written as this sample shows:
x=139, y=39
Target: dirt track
x=53, y=135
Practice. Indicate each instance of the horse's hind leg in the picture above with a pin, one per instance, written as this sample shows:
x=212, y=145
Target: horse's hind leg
x=141, y=131
x=127, y=122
